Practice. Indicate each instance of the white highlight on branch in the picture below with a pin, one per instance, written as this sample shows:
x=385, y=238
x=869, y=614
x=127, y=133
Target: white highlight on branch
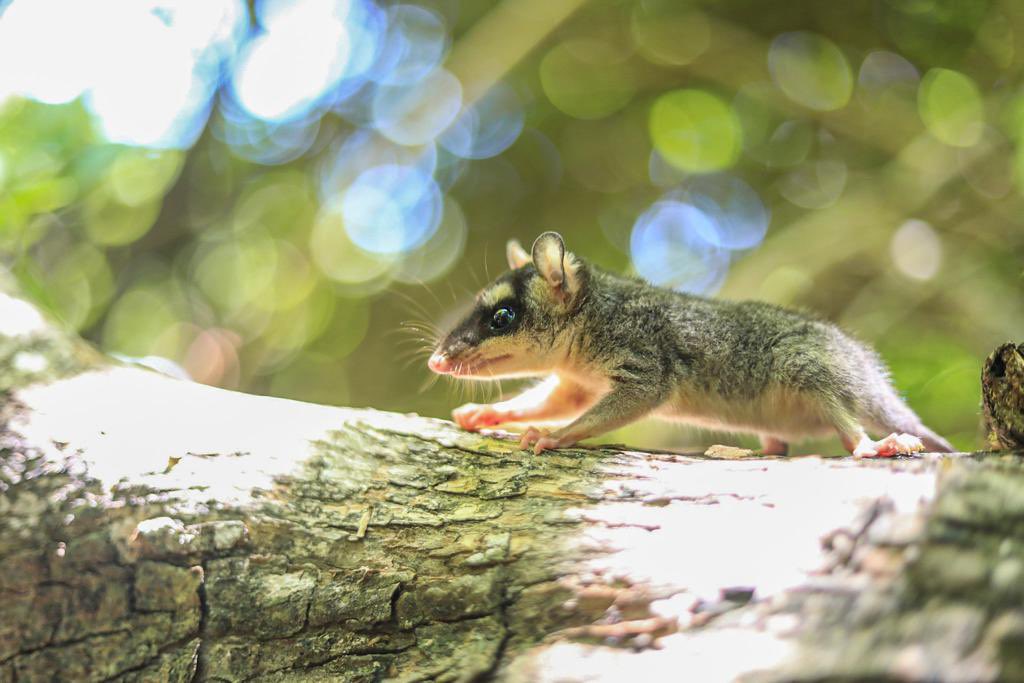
x=19, y=318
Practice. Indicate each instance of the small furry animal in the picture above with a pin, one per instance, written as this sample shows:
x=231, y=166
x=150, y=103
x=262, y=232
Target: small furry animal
x=616, y=349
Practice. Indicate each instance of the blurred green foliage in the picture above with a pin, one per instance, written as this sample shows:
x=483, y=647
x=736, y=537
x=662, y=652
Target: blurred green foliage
x=884, y=138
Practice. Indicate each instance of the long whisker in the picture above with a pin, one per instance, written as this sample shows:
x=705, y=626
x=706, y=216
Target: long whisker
x=432, y=294
x=420, y=325
x=421, y=352
x=417, y=337
x=411, y=335
x=419, y=282
x=425, y=342
x=417, y=307
x=429, y=382
x=409, y=362
x=458, y=388
x=414, y=345
x=424, y=333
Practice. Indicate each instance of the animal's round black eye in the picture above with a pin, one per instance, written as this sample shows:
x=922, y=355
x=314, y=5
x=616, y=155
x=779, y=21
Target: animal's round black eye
x=502, y=318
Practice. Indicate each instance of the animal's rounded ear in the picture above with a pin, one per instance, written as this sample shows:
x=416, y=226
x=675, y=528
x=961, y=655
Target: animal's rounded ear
x=516, y=255
x=557, y=266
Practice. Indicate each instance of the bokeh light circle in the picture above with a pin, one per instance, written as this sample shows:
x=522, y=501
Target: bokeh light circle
x=234, y=274
x=364, y=149
x=280, y=203
x=155, y=98
x=695, y=131
x=488, y=127
x=668, y=248
x=137, y=319
x=670, y=37
x=739, y=217
x=355, y=270
x=414, y=45
x=285, y=71
x=814, y=184
x=140, y=176
x=587, y=79
x=811, y=70
x=916, y=250
x=439, y=254
x=882, y=69
x=449, y=169
x=270, y=143
x=416, y=114
x=768, y=137
x=391, y=209
x=950, y=106
x=109, y=222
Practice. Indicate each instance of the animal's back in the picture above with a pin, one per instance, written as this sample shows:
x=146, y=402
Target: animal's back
x=748, y=365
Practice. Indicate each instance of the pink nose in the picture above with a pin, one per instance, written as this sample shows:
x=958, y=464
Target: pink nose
x=440, y=363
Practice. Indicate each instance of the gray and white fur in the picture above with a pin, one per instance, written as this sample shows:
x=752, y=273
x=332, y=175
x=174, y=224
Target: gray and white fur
x=616, y=349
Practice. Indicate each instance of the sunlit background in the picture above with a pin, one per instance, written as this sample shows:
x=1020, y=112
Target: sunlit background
x=262, y=196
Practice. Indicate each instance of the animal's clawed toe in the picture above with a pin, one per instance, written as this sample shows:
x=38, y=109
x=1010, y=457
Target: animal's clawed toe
x=539, y=440
x=530, y=437
x=546, y=443
x=899, y=444
x=892, y=445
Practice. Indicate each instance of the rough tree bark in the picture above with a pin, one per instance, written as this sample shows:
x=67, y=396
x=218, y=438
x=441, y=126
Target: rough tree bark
x=153, y=529
x=1002, y=396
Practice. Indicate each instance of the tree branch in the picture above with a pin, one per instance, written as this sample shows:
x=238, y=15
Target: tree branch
x=153, y=529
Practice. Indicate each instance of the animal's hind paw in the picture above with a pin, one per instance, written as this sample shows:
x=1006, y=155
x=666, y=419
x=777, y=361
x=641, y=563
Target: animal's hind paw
x=894, y=444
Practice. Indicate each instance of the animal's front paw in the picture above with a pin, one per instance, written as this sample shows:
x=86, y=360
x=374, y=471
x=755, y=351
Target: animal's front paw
x=542, y=441
x=894, y=444
x=474, y=416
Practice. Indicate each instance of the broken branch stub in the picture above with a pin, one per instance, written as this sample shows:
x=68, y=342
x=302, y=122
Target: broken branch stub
x=1002, y=396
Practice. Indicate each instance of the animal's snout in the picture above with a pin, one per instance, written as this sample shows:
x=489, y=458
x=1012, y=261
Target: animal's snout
x=440, y=363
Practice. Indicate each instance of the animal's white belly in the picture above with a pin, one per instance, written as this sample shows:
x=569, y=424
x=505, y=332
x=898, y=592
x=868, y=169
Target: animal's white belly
x=777, y=412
